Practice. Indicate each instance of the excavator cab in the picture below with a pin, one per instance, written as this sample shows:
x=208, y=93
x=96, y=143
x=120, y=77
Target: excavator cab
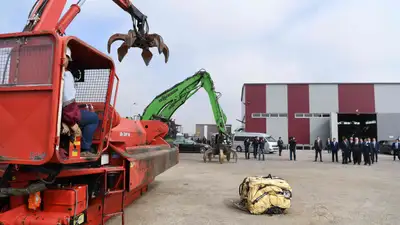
x=95, y=82
x=31, y=95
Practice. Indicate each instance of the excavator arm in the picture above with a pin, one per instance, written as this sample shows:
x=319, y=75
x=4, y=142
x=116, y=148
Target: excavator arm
x=45, y=15
x=165, y=104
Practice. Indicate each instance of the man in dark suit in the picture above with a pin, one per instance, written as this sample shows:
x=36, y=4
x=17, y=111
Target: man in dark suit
x=375, y=150
x=280, y=146
x=345, y=150
x=292, y=148
x=367, y=151
x=255, y=147
x=334, y=149
x=328, y=145
x=247, y=148
x=357, y=149
x=318, y=149
x=351, y=142
x=395, y=148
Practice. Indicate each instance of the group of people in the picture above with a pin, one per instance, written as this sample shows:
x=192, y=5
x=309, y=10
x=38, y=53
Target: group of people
x=258, y=144
x=353, y=150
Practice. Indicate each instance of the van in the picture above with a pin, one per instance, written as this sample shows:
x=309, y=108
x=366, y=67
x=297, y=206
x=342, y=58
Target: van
x=271, y=145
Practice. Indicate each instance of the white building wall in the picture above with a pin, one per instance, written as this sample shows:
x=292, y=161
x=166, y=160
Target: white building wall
x=277, y=102
x=324, y=98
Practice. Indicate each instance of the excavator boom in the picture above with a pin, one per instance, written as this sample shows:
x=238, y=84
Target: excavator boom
x=165, y=104
x=45, y=16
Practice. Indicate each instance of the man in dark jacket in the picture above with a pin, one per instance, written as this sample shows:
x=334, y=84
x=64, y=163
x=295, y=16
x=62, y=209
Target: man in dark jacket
x=334, y=148
x=345, y=150
x=247, y=148
x=280, y=146
x=255, y=147
x=318, y=149
x=261, y=143
x=357, y=149
x=395, y=148
x=292, y=147
x=351, y=142
x=328, y=145
x=367, y=151
x=375, y=150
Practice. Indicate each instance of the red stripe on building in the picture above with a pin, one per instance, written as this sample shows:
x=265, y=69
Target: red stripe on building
x=256, y=102
x=298, y=102
x=353, y=97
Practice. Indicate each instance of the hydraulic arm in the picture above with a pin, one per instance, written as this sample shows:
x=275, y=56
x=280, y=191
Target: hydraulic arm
x=165, y=104
x=45, y=15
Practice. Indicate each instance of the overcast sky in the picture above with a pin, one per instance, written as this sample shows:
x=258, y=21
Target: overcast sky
x=240, y=41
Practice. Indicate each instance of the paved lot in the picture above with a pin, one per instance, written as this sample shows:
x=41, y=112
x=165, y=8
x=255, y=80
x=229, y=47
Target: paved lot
x=194, y=192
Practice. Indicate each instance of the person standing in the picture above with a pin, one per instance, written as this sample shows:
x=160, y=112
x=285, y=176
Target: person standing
x=356, y=148
x=280, y=146
x=345, y=150
x=334, y=149
x=318, y=149
x=328, y=145
x=292, y=148
x=247, y=148
x=361, y=140
x=261, y=143
x=350, y=148
x=367, y=151
x=395, y=148
x=255, y=147
x=375, y=150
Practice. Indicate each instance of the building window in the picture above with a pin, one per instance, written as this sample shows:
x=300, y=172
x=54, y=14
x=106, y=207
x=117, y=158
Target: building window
x=274, y=115
x=308, y=115
x=312, y=115
x=282, y=114
x=256, y=115
x=269, y=115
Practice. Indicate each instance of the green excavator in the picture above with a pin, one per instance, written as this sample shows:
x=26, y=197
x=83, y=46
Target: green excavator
x=165, y=105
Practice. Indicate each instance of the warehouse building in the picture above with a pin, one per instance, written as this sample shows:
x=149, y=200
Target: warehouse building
x=207, y=130
x=326, y=110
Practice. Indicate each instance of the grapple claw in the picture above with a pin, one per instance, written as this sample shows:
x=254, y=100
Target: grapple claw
x=122, y=51
x=131, y=40
x=155, y=40
x=114, y=38
x=128, y=39
x=147, y=56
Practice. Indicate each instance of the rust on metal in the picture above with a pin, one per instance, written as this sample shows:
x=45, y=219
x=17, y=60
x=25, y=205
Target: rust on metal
x=131, y=40
x=4, y=158
x=37, y=156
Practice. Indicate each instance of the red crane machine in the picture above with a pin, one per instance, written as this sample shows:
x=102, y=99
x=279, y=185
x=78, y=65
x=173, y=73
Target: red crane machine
x=39, y=185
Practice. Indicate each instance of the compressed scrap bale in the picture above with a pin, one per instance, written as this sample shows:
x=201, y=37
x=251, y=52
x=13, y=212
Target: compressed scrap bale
x=265, y=195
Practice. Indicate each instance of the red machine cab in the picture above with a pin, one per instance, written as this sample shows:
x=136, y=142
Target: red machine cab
x=31, y=95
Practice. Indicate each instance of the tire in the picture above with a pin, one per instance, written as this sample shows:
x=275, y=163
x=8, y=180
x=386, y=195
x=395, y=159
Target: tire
x=239, y=149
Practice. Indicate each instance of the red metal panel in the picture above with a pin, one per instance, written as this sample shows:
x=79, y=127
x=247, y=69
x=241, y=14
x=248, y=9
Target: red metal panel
x=353, y=97
x=298, y=102
x=256, y=102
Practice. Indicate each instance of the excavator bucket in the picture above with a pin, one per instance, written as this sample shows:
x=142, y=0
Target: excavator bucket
x=131, y=40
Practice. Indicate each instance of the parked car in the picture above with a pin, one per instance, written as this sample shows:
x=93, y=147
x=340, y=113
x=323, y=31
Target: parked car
x=385, y=146
x=189, y=146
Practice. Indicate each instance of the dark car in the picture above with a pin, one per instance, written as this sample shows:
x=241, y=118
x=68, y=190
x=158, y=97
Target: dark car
x=385, y=147
x=189, y=146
